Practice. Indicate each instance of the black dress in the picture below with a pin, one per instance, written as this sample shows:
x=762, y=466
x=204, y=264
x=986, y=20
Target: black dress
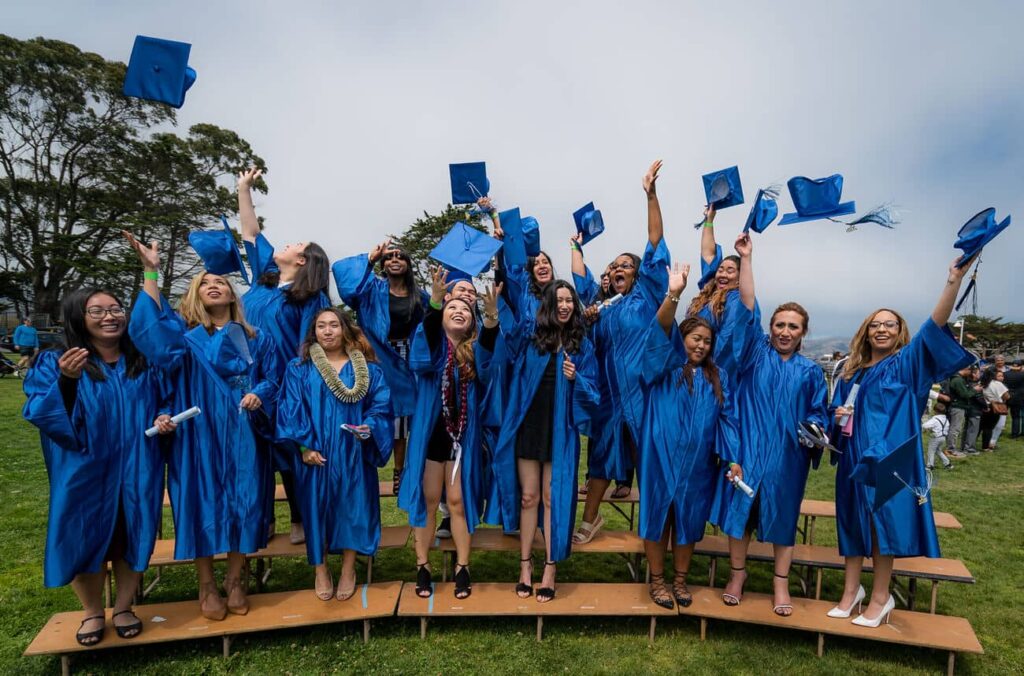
x=533, y=441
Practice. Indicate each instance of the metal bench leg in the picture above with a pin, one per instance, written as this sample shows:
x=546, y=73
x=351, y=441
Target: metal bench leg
x=540, y=628
x=821, y=645
x=951, y=664
x=423, y=628
x=65, y=665
x=227, y=646
x=650, y=632
x=935, y=596
x=366, y=631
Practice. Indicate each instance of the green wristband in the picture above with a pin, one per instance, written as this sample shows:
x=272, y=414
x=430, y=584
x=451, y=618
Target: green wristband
x=151, y=274
x=435, y=305
x=708, y=224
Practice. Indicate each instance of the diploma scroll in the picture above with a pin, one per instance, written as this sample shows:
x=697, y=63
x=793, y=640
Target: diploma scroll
x=181, y=417
x=850, y=399
x=611, y=301
x=740, y=484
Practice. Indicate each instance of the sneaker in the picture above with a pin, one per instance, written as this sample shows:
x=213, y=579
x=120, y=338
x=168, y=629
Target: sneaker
x=949, y=466
x=444, y=531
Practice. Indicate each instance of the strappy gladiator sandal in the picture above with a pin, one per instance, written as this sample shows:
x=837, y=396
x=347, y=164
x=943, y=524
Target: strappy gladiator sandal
x=463, y=585
x=659, y=592
x=732, y=599
x=525, y=591
x=782, y=609
x=424, y=580
x=545, y=594
x=91, y=638
x=680, y=591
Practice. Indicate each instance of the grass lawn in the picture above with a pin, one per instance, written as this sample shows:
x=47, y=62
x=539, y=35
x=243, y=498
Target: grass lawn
x=984, y=493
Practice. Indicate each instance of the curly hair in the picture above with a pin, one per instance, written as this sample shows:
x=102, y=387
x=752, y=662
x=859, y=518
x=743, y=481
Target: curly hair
x=712, y=295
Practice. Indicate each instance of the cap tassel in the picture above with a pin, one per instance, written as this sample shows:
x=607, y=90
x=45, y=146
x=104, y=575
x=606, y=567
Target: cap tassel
x=971, y=287
x=884, y=215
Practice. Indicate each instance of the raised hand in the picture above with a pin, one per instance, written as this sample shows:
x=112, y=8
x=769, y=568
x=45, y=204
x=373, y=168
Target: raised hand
x=744, y=245
x=568, y=368
x=378, y=251
x=709, y=213
x=651, y=178
x=677, y=275
x=438, y=284
x=72, y=362
x=149, y=256
x=248, y=177
x=490, y=299
x=485, y=204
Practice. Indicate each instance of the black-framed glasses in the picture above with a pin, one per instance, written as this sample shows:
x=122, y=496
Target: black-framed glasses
x=622, y=266
x=100, y=312
x=889, y=324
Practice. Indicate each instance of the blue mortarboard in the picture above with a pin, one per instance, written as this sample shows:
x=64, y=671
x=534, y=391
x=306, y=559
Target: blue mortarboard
x=890, y=472
x=218, y=250
x=469, y=182
x=817, y=198
x=515, y=245
x=589, y=222
x=977, y=232
x=723, y=188
x=531, y=235
x=466, y=249
x=455, y=276
x=764, y=211
x=158, y=70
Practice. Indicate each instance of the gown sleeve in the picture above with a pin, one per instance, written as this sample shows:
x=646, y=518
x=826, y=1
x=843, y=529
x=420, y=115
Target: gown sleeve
x=652, y=277
x=265, y=386
x=932, y=355
x=354, y=279
x=294, y=422
x=378, y=416
x=45, y=405
x=663, y=353
x=586, y=398
x=587, y=287
x=426, y=355
x=517, y=285
x=727, y=443
x=158, y=333
x=261, y=256
x=737, y=328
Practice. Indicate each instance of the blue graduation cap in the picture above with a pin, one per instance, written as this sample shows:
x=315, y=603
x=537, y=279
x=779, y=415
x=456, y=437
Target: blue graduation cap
x=456, y=276
x=218, y=250
x=764, y=211
x=515, y=245
x=722, y=188
x=889, y=473
x=466, y=249
x=531, y=235
x=589, y=221
x=817, y=198
x=158, y=70
x=977, y=232
x=469, y=182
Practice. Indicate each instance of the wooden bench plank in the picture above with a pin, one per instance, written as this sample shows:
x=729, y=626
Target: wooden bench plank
x=827, y=509
x=494, y=540
x=924, y=630
x=180, y=620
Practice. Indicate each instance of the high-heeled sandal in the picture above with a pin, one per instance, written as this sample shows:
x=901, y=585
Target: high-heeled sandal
x=659, y=592
x=230, y=584
x=127, y=630
x=325, y=594
x=679, y=589
x=396, y=480
x=91, y=638
x=463, y=585
x=732, y=599
x=779, y=607
x=424, y=580
x=525, y=591
x=545, y=594
x=586, y=531
x=220, y=610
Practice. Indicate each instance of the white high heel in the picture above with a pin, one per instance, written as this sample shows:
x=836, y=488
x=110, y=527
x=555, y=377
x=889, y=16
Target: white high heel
x=887, y=609
x=858, y=601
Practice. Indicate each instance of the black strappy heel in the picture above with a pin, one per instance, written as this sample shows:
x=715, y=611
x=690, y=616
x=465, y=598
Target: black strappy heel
x=424, y=581
x=91, y=638
x=525, y=591
x=545, y=594
x=463, y=585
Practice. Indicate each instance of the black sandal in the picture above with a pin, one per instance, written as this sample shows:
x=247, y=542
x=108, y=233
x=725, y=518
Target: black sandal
x=680, y=591
x=424, y=581
x=730, y=599
x=659, y=592
x=463, y=585
x=545, y=594
x=128, y=630
x=525, y=591
x=396, y=480
x=91, y=638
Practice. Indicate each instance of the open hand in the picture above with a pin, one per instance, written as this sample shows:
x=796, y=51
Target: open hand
x=72, y=362
x=149, y=256
x=378, y=251
x=677, y=275
x=248, y=177
x=438, y=284
x=651, y=178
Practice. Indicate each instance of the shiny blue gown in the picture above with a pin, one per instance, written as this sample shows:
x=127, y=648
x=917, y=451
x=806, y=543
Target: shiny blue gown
x=340, y=500
x=685, y=435
x=218, y=474
x=619, y=338
x=97, y=459
x=773, y=397
x=368, y=295
x=576, y=403
x=888, y=409
x=730, y=327
x=428, y=365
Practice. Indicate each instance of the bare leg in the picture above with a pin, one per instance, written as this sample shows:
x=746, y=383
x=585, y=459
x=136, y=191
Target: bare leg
x=347, y=581
x=851, y=580
x=880, y=580
x=211, y=605
x=548, y=578
x=399, y=451
x=738, y=563
x=460, y=529
x=655, y=553
x=89, y=589
x=595, y=493
x=323, y=585
x=127, y=586
x=529, y=484
x=237, y=585
x=433, y=483
x=780, y=581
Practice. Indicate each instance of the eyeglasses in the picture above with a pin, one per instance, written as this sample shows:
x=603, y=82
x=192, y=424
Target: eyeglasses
x=621, y=266
x=100, y=313
x=889, y=324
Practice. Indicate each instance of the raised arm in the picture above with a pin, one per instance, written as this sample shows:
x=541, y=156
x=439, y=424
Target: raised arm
x=745, y=248
x=944, y=308
x=487, y=207
x=246, y=211
x=655, y=227
x=677, y=275
x=579, y=268
x=707, y=235
x=150, y=265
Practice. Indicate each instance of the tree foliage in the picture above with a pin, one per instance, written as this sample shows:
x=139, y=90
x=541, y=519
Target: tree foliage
x=420, y=238
x=991, y=335
x=79, y=162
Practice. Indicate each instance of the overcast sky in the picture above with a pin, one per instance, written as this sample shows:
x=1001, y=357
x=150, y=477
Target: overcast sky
x=358, y=109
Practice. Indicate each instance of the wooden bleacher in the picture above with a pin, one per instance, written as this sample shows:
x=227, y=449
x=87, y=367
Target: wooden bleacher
x=181, y=621
x=924, y=630
x=498, y=599
x=811, y=510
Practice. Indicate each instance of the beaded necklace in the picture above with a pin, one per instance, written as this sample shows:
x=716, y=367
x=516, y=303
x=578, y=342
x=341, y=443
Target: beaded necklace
x=454, y=422
x=349, y=395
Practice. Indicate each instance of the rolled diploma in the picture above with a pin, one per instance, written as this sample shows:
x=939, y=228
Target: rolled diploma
x=850, y=398
x=611, y=301
x=740, y=484
x=184, y=415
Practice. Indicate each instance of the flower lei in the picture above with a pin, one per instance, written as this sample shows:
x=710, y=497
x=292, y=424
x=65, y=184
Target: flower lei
x=349, y=395
x=455, y=426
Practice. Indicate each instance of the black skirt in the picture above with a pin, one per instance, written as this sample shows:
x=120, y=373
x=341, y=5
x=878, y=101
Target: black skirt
x=533, y=441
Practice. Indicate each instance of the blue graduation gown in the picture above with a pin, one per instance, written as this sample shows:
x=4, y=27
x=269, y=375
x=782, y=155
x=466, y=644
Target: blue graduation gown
x=218, y=474
x=368, y=295
x=890, y=401
x=97, y=459
x=522, y=302
x=619, y=338
x=772, y=398
x=730, y=332
x=576, y=402
x=429, y=366
x=341, y=500
x=686, y=434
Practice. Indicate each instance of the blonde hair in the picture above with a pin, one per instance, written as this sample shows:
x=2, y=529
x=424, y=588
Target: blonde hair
x=860, y=346
x=711, y=296
x=194, y=313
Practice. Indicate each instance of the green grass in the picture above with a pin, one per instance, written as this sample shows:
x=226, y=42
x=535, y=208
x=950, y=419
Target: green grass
x=984, y=492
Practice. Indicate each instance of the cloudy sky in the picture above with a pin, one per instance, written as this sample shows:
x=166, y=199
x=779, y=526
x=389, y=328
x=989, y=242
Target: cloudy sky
x=358, y=108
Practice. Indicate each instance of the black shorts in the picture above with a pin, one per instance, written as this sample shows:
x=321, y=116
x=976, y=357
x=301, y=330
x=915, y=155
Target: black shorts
x=26, y=351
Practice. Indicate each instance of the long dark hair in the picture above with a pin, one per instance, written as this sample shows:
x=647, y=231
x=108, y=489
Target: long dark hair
x=412, y=299
x=311, y=278
x=536, y=289
x=352, y=337
x=72, y=310
x=686, y=327
x=549, y=335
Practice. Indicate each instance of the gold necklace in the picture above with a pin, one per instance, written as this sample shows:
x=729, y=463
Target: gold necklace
x=349, y=395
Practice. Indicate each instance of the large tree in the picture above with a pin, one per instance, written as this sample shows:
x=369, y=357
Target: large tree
x=79, y=162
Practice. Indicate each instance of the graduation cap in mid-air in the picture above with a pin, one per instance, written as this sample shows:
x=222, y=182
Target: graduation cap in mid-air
x=455, y=276
x=514, y=241
x=466, y=249
x=722, y=188
x=158, y=70
x=764, y=211
x=218, y=250
x=469, y=182
x=977, y=232
x=820, y=198
x=589, y=221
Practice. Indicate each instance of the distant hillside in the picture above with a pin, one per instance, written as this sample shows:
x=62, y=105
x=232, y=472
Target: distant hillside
x=813, y=348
